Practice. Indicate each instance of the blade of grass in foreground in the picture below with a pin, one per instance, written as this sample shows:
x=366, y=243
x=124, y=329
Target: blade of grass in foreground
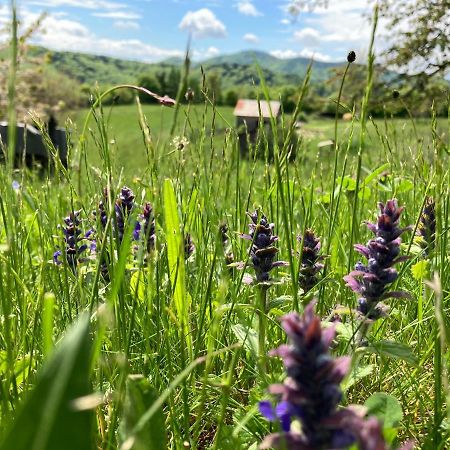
x=175, y=256
x=49, y=419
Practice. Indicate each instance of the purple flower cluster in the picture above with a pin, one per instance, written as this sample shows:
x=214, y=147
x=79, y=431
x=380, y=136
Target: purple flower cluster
x=189, y=247
x=382, y=252
x=76, y=242
x=122, y=208
x=311, y=394
x=426, y=230
x=310, y=264
x=262, y=250
x=146, y=226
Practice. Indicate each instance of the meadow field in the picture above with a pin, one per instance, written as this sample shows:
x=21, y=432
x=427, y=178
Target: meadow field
x=143, y=287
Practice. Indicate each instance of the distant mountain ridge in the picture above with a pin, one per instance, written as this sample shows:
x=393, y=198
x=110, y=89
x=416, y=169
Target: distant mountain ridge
x=235, y=68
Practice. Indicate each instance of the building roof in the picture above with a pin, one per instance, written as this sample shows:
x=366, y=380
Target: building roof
x=250, y=108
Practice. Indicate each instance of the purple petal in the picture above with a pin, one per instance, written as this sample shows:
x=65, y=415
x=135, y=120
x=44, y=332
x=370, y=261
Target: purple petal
x=280, y=264
x=267, y=410
x=248, y=279
x=341, y=368
x=328, y=336
x=56, y=256
x=371, y=226
x=284, y=411
x=353, y=284
x=362, y=249
x=136, y=231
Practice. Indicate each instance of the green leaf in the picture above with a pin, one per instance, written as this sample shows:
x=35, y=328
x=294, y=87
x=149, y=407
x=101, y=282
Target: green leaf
x=394, y=350
x=386, y=408
x=139, y=397
x=48, y=419
x=280, y=301
x=248, y=337
x=137, y=284
x=420, y=270
x=375, y=174
x=175, y=256
x=364, y=193
x=404, y=186
x=357, y=373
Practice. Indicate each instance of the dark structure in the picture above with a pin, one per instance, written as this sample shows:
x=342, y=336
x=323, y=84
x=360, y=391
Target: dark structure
x=31, y=145
x=249, y=115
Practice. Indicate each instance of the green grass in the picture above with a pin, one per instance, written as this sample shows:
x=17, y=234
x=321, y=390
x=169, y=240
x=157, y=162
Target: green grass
x=170, y=346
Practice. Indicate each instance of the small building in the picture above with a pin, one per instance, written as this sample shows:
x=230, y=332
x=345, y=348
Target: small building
x=248, y=114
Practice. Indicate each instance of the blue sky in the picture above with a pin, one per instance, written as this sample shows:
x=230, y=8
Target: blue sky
x=152, y=30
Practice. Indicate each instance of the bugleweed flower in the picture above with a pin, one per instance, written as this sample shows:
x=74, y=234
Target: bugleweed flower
x=311, y=394
x=426, y=230
x=146, y=226
x=262, y=250
x=372, y=280
x=189, y=247
x=122, y=210
x=310, y=264
x=123, y=206
x=76, y=243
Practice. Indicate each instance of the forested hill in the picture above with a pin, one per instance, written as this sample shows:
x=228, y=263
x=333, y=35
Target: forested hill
x=234, y=69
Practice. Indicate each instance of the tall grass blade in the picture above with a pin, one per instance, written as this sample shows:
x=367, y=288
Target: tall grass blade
x=48, y=419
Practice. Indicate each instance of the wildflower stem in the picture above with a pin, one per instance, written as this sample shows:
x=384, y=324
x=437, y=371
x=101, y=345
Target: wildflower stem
x=262, y=319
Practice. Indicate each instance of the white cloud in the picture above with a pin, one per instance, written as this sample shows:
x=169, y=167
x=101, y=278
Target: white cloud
x=304, y=53
x=285, y=22
x=247, y=8
x=119, y=15
x=210, y=52
x=126, y=25
x=307, y=36
x=296, y=7
x=342, y=27
x=203, y=24
x=250, y=37
x=70, y=35
x=86, y=4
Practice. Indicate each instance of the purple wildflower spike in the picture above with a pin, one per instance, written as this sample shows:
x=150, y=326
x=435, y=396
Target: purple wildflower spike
x=145, y=227
x=311, y=394
x=189, y=247
x=123, y=206
x=310, y=264
x=262, y=250
x=76, y=243
x=382, y=252
x=426, y=230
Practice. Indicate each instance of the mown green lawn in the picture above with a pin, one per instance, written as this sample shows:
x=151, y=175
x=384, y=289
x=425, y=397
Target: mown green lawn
x=129, y=152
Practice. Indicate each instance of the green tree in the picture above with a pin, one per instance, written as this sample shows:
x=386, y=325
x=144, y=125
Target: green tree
x=173, y=82
x=214, y=87
x=420, y=32
x=149, y=82
x=288, y=98
x=161, y=77
x=231, y=98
